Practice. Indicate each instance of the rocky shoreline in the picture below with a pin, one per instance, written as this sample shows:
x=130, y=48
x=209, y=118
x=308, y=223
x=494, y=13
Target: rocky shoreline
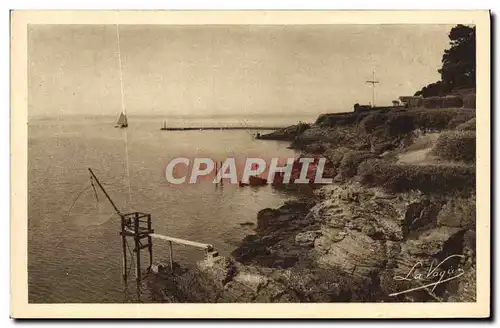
x=397, y=224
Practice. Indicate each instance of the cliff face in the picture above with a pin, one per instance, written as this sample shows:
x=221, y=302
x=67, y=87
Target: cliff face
x=398, y=224
x=356, y=244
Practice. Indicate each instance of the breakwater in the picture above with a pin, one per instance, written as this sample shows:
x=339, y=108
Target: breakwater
x=223, y=128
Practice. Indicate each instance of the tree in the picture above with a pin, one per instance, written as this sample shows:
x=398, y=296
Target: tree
x=433, y=89
x=459, y=63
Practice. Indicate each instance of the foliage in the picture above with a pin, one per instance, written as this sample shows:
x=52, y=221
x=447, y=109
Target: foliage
x=351, y=160
x=426, y=178
x=399, y=123
x=458, y=63
x=433, y=89
x=469, y=125
x=456, y=146
x=372, y=121
x=335, y=156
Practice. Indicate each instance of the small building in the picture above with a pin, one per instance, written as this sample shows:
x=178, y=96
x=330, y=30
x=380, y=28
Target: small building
x=411, y=101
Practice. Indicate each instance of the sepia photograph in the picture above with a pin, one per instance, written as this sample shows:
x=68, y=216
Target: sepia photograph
x=229, y=158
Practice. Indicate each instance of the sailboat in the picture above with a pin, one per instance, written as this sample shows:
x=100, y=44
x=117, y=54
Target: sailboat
x=164, y=126
x=122, y=120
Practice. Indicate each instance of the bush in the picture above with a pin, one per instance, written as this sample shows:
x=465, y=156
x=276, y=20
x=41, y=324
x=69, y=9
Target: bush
x=443, y=102
x=382, y=147
x=433, y=102
x=315, y=148
x=361, y=116
x=456, y=146
x=372, y=121
x=331, y=120
x=452, y=101
x=470, y=101
x=441, y=119
x=399, y=123
x=384, y=130
x=335, y=156
x=351, y=160
x=470, y=125
x=426, y=178
x=462, y=116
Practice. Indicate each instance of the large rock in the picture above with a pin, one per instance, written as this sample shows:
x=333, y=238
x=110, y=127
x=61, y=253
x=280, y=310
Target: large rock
x=220, y=269
x=307, y=238
x=458, y=212
x=431, y=242
x=466, y=287
x=251, y=279
x=275, y=292
x=376, y=213
x=421, y=261
x=356, y=254
x=420, y=215
x=274, y=244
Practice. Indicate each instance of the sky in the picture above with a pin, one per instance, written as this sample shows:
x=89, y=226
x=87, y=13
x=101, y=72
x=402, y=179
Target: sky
x=230, y=70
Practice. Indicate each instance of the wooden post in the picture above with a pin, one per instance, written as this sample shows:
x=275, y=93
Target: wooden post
x=124, y=248
x=171, y=258
x=150, y=242
x=137, y=247
x=104, y=191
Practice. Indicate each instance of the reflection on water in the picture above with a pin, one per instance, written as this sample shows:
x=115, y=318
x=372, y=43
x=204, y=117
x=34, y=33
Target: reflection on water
x=74, y=249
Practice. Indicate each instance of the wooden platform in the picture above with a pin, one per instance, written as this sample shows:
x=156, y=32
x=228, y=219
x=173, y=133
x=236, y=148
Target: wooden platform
x=206, y=247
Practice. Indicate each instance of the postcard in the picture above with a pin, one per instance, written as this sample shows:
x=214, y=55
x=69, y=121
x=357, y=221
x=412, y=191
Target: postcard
x=250, y=164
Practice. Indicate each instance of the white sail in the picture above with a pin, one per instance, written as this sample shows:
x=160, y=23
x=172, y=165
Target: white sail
x=122, y=120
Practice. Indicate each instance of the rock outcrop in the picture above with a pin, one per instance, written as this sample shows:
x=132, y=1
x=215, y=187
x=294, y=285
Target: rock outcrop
x=385, y=231
x=286, y=134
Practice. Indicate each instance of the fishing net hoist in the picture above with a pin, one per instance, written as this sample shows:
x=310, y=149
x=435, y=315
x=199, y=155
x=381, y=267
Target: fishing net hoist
x=138, y=226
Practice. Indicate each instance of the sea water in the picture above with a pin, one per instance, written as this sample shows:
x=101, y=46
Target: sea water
x=74, y=247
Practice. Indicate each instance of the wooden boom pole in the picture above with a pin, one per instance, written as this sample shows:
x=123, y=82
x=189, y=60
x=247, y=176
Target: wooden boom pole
x=105, y=193
x=124, y=240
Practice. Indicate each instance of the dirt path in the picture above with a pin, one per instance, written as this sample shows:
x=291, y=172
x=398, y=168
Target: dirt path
x=419, y=151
